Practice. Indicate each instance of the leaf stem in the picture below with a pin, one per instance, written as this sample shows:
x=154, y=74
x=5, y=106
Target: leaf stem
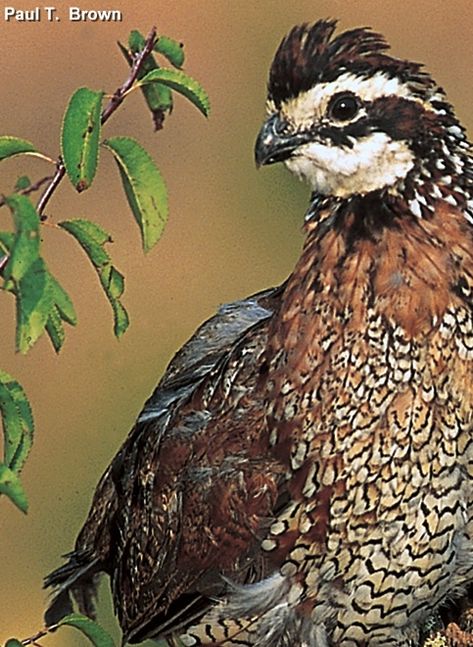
x=40, y=156
x=107, y=112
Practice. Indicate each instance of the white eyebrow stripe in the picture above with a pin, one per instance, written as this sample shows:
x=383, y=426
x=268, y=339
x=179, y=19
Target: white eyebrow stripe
x=368, y=88
x=314, y=102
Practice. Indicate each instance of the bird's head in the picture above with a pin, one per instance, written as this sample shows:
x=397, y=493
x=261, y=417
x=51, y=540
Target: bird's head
x=352, y=120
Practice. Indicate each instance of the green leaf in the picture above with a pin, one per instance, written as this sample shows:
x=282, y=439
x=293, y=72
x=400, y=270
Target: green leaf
x=34, y=304
x=144, y=187
x=171, y=49
x=13, y=642
x=62, y=301
x=96, y=634
x=180, y=82
x=136, y=41
x=158, y=97
x=10, y=146
x=55, y=329
x=11, y=486
x=18, y=424
x=25, y=274
x=25, y=249
x=113, y=284
x=121, y=318
x=23, y=182
x=80, y=137
x=92, y=239
x=112, y=281
x=7, y=238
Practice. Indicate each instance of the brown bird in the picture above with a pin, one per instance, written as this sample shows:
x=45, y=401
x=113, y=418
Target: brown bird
x=303, y=474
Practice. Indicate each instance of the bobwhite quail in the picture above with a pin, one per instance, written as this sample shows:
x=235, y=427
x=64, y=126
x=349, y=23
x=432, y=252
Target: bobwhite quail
x=303, y=473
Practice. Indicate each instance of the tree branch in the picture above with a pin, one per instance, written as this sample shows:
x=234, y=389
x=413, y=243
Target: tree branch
x=107, y=112
x=47, y=193
x=30, y=189
x=3, y=262
x=32, y=640
x=119, y=94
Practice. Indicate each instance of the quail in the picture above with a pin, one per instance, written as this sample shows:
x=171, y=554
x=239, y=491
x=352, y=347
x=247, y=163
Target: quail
x=302, y=476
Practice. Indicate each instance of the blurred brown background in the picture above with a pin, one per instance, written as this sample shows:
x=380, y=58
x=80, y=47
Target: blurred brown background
x=231, y=230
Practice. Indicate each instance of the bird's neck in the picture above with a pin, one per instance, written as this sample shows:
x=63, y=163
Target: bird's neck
x=443, y=171
x=363, y=260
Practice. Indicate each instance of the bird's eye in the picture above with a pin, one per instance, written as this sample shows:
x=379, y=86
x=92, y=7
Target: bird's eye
x=344, y=107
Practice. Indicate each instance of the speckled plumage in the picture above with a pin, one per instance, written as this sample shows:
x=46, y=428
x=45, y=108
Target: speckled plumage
x=303, y=474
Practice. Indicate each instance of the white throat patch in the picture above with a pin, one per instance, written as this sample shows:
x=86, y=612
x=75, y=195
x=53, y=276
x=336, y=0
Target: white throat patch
x=375, y=161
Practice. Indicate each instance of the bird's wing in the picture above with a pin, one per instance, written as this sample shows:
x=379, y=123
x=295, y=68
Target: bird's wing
x=103, y=532
x=210, y=343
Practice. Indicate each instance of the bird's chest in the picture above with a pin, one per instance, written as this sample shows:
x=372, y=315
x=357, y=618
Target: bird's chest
x=352, y=386
x=374, y=425
x=370, y=406
x=370, y=361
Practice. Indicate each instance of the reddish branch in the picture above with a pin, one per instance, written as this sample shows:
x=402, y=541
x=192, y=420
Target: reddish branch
x=107, y=112
x=135, y=69
x=3, y=262
x=31, y=188
x=33, y=640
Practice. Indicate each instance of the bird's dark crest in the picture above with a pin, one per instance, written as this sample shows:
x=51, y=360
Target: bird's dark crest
x=308, y=55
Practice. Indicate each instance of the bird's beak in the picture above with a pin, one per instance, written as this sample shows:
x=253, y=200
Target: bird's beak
x=275, y=144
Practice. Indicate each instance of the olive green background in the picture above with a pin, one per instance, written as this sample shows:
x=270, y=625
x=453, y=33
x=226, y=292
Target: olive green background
x=231, y=231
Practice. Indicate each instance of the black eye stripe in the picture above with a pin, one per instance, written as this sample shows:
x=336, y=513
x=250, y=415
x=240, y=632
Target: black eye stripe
x=397, y=117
